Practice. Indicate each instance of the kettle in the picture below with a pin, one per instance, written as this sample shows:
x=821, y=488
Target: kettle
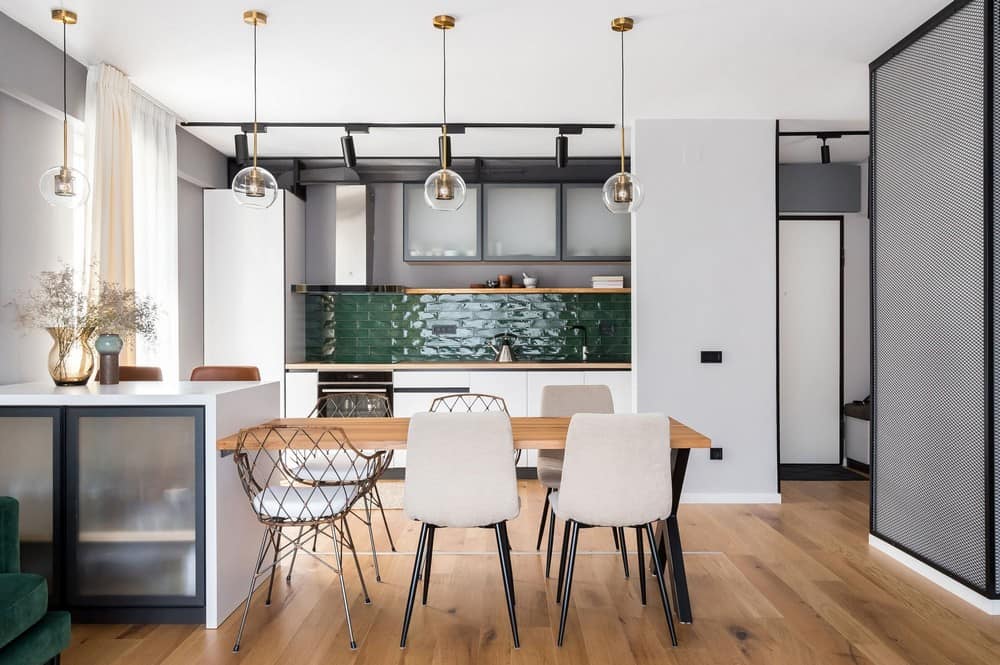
x=503, y=346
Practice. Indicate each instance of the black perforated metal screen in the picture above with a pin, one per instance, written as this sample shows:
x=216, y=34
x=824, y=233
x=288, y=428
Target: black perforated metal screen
x=929, y=297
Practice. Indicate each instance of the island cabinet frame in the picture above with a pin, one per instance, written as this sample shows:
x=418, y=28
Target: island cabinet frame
x=65, y=581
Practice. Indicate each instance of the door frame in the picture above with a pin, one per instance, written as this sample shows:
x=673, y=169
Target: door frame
x=798, y=217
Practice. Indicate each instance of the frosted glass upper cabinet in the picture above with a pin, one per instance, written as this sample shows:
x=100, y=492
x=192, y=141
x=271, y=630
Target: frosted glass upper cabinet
x=436, y=235
x=590, y=231
x=521, y=222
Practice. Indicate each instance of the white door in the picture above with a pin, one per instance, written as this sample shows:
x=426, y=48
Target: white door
x=809, y=340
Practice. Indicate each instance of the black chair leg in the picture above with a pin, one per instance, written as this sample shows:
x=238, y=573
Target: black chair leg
x=569, y=582
x=659, y=579
x=413, y=585
x=508, y=578
x=427, y=561
x=562, y=562
x=378, y=499
x=642, y=565
x=508, y=558
x=552, y=533
x=545, y=512
x=624, y=550
x=614, y=532
x=274, y=564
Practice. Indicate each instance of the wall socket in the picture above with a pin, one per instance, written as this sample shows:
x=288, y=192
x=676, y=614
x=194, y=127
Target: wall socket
x=715, y=453
x=444, y=329
x=607, y=328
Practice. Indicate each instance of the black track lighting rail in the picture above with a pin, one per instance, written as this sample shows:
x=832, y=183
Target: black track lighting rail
x=828, y=134
x=573, y=128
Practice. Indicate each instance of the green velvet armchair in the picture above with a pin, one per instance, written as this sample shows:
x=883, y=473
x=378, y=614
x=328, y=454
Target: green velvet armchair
x=29, y=633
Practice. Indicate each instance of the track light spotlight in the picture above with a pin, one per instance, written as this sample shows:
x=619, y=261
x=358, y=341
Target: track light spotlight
x=242, y=149
x=347, y=147
x=562, y=151
x=824, y=152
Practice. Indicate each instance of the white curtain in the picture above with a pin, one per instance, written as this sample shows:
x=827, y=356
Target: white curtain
x=109, y=236
x=154, y=196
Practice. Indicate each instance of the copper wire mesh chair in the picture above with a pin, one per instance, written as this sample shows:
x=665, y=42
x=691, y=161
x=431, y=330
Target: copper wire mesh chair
x=471, y=403
x=355, y=405
x=307, y=478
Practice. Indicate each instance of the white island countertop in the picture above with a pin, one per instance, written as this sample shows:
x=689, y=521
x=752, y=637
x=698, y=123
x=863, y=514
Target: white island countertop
x=127, y=393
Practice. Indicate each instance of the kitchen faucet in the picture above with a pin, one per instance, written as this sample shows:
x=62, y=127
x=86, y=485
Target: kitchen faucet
x=582, y=329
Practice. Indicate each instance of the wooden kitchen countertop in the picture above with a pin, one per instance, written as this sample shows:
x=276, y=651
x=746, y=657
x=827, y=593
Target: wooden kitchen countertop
x=390, y=433
x=552, y=365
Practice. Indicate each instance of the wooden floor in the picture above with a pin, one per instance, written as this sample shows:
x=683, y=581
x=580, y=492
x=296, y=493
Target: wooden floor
x=771, y=584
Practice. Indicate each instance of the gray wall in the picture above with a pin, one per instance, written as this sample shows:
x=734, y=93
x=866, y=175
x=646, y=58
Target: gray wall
x=199, y=166
x=391, y=269
x=33, y=235
x=321, y=235
x=705, y=278
x=31, y=69
x=819, y=188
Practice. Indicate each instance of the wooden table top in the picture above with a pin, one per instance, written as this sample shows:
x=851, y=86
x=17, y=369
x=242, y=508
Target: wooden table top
x=390, y=433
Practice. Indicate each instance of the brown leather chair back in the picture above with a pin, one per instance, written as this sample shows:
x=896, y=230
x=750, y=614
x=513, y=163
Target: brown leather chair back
x=137, y=373
x=225, y=373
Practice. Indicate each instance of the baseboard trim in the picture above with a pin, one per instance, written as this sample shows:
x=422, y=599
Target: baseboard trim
x=857, y=466
x=980, y=602
x=733, y=497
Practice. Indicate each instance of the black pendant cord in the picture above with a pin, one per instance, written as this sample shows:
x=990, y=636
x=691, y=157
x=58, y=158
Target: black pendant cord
x=444, y=98
x=255, y=95
x=65, y=114
x=622, y=33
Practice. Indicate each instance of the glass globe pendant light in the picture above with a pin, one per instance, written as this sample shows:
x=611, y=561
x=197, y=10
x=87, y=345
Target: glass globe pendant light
x=255, y=187
x=622, y=192
x=63, y=186
x=444, y=189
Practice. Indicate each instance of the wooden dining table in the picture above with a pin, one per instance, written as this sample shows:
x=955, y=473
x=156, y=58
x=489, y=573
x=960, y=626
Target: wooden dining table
x=530, y=433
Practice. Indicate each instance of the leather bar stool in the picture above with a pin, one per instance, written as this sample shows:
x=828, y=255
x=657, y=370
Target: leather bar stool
x=225, y=373
x=460, y=473
x=633, y=492
x=139, y=373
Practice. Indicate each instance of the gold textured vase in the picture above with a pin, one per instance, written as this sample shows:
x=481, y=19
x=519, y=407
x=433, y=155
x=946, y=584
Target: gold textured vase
x=71, y=360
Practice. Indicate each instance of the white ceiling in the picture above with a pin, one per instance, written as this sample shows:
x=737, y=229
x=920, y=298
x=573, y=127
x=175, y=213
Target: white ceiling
x=510, y=61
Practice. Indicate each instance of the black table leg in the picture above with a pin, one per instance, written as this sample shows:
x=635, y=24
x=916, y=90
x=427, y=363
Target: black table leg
x=674, y=560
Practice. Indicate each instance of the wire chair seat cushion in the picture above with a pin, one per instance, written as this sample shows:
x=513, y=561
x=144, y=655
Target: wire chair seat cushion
x=303, y=474
x=304, y=504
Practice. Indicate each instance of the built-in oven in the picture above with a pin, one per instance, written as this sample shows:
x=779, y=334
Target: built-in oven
x=347, y=392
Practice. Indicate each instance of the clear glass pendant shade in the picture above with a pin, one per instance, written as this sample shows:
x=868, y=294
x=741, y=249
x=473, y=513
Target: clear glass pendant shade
x=622, y=193
x=64, y=187
x=444, y=190
x=254, y=187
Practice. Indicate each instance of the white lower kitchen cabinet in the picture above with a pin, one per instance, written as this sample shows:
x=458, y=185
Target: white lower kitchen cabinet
x=620, y=384
x=538, y=380
x=512, y=386
x=301, y=393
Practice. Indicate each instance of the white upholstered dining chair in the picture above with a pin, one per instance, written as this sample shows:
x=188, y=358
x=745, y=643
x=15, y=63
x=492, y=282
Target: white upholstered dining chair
x=460, y=473
x=633, y=491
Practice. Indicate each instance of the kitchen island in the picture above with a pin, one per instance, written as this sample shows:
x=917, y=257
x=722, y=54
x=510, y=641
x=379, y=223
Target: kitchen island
x=126, y=506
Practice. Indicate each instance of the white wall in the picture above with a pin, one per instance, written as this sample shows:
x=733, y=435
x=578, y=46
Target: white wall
x=704, y=278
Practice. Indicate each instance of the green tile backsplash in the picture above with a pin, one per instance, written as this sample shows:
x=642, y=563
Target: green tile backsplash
x=393, y=327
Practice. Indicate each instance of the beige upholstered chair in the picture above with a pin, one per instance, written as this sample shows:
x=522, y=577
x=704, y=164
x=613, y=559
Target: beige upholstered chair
x=563, y=402
x=633, y=492
x=460, y=473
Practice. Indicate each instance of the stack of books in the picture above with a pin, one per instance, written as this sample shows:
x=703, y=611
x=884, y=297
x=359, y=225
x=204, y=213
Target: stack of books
x=607, y=281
